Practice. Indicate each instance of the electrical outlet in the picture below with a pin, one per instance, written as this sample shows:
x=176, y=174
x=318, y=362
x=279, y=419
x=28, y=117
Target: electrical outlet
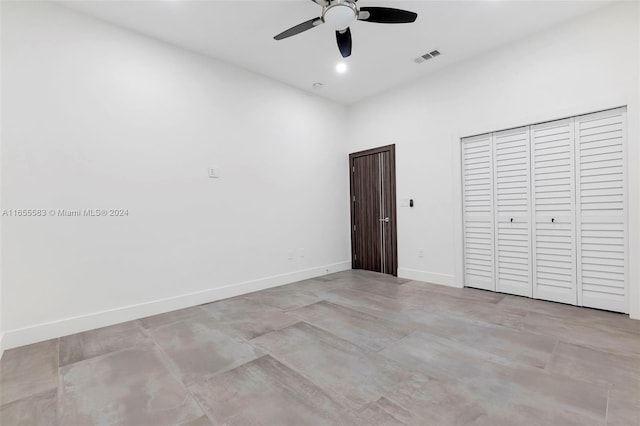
x=301, y=253
x=290, y=256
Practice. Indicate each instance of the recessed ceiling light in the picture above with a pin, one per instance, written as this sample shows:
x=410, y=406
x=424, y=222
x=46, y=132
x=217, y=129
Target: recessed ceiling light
x=317, y=85
x=341, y=68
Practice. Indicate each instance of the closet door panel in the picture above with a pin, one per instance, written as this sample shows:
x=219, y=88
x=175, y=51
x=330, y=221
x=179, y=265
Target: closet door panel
x=477, y=170
x=553, y=202
x=602, y=215
x=512, y=211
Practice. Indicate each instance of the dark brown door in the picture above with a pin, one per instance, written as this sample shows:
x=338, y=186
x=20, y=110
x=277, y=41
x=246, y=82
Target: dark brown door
x=373, y=210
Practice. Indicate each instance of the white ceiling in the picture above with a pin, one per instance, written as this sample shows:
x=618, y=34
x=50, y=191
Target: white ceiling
x=241, y=32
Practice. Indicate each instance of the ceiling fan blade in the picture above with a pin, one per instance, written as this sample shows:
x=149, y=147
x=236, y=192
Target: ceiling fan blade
x=344, y=42
x=322, y=3
x=386, y=15
x=311, y=23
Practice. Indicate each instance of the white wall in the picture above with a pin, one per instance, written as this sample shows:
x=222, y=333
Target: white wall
x=585, y=65
x=98, y=117
x=1, y=206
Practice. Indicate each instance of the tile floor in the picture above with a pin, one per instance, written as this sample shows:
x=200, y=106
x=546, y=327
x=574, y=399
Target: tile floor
x=353, y=348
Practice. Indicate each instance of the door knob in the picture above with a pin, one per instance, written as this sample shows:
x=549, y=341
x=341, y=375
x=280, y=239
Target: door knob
x=386, y=219
x=511, y=220
x=553, y=220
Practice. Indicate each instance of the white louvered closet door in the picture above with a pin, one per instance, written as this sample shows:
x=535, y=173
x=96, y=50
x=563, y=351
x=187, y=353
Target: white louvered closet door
x=601, y=203
x=512, y=211
x=477, y=170
x=553, y=201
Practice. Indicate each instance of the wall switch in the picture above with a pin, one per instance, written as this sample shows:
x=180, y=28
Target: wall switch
x=214, y=172
x=290, y=255
x=404, y=202
x=420, y=252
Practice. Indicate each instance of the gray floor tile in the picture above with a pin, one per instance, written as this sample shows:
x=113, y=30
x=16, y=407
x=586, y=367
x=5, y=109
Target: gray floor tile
x=247, y=318
x=318, y=287
x=370, y=303
x=443, y=402
x=376, y=286
x=471, y=294
x=81, y=346
x=352, y=273
x=359, y=328
x=623, y=412
x=523, y=413
x=622, y=394
x=560, y=394
x=39, y=409
x=486, y=311
x=373, y=414
x=197, y=348
x=352, y=348
x=440, y=358
x=169, y=317
x=369, y=275
x=266, y=392
x=577, y=332
x=385, y=412
x=591, y=317
x=131, y=387
x=620, y=372
x=285, y=299
x=223, y=309
x=410, y=295
x=332, y=277
x=354, y=377
x=501, y=344
x=252, y=326
x=28, y=370
x=201, y=421
x=493, y=382
x=425, y=400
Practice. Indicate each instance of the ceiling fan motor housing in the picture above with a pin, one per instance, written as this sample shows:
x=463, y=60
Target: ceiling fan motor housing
x=340, y=14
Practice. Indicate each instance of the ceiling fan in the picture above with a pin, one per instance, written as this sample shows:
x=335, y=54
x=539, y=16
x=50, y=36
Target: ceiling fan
x=340, y=14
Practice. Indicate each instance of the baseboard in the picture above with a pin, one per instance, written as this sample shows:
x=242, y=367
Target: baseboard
x=1, y=345
x=55, y=329
x=429, y=277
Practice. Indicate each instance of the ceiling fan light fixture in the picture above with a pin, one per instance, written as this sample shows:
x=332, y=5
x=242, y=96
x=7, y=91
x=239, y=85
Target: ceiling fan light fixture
x=339, y=15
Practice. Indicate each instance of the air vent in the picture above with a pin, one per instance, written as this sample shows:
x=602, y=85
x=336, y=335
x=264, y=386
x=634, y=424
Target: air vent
x=426, y=56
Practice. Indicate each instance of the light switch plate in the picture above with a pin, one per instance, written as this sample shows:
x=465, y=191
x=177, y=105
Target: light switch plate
x=214, y=173
x=404, y=202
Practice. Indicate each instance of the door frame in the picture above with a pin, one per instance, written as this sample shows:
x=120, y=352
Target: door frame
x=391, y=149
